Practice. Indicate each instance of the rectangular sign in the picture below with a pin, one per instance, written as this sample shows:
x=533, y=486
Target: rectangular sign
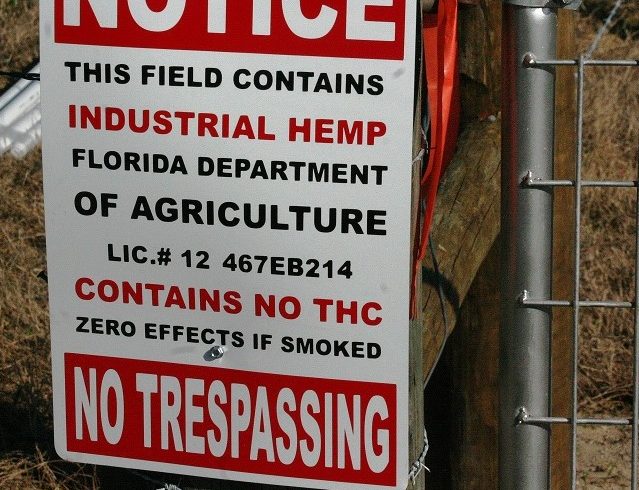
x=227, y=204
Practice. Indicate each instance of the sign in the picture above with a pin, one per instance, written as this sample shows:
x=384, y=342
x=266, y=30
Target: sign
x=227, y=203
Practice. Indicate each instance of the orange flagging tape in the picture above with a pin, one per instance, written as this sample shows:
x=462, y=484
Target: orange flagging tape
x=442, y=79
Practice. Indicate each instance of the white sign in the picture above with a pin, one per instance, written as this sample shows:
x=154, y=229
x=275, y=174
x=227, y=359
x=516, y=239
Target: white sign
x=227, y=189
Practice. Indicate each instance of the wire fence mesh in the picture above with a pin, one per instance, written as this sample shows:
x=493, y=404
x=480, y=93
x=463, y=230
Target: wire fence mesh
x=582, y=303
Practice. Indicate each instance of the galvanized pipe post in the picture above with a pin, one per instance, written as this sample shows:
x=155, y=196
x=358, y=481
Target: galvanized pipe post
x=528, y=104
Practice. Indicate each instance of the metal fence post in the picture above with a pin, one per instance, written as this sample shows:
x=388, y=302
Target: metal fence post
x=528, y=95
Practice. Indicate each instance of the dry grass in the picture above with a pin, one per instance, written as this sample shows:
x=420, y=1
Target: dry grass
x=23, y=319
x=18, y=34
x=27, y=459
x=626, y=24
x=611, y=150
x=611, y=142
x=39, y=472
x=605, y=458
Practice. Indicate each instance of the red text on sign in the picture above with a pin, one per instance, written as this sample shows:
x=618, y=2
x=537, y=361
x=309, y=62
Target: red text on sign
x=352, y=311
x=332, y=131
x=232, y=420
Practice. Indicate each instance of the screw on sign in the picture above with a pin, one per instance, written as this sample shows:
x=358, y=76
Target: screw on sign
x=220, y=177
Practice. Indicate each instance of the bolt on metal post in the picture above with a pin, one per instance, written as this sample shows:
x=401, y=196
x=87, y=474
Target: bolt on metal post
x=529, y=33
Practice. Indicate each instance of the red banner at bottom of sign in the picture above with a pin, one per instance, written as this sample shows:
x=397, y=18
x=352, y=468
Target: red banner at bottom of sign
x=225, y=419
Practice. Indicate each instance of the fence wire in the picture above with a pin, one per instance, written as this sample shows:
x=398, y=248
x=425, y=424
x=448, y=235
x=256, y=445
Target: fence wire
x=603, y=30
x=577, y=303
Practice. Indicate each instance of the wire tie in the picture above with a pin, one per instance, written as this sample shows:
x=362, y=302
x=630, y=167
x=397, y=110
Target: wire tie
x=165, y=486
x=17, y=74
x=417, y=467
x=603, y=29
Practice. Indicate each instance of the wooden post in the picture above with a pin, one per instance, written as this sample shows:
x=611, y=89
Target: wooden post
x=416, y=379
x=472, y=357
x=563, y=248
x=462, y=403
x=466, y=219
x=468, y=222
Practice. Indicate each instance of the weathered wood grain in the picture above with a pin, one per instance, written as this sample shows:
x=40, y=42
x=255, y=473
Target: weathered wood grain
x=467, y=220
x=415, y=376
x=563, y=249
x=465, y=226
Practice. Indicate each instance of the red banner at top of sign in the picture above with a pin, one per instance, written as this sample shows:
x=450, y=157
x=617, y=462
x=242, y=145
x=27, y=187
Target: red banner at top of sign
x=368, y=29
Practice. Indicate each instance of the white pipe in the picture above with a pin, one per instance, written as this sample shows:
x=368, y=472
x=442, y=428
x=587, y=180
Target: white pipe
x=17, y=130
x=23, y=102
x=28, y=142
x=17, y=87
x=20, y=116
